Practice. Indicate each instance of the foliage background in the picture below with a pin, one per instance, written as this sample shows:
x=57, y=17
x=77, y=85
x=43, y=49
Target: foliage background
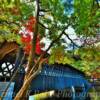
x=84, y=19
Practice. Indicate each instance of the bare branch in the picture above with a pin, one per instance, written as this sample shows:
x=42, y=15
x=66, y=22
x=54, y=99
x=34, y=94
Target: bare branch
x=61, y=34
x=54, y=41
x=70, y=39
x=33, y=42
x=43, y=25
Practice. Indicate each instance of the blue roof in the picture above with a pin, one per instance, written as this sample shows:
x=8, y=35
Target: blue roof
x=53, y=77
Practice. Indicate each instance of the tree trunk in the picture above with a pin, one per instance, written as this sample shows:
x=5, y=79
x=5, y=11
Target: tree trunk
x=22, y=94
x=33, y=42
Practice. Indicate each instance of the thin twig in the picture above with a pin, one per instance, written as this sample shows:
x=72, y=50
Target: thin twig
x=54, y=41
x=70, y=39
x=43, y=26
x=62, y=31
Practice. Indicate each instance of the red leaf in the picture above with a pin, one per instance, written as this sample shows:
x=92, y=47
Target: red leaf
x=38, y=46
x=32, y=19
x=27, y=48
x=26, y=39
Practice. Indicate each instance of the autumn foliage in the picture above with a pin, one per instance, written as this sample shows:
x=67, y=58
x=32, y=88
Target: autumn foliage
x=26, y=36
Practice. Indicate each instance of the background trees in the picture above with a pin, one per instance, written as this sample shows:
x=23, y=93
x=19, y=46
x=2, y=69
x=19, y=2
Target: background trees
x=52, y=21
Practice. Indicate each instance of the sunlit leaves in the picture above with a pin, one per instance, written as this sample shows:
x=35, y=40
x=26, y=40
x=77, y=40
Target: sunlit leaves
x=86, y=13
x=13, y=14
x=90, y=58
x=1, y=39
x=58, y=55
x=26, y=10
x=56, y=11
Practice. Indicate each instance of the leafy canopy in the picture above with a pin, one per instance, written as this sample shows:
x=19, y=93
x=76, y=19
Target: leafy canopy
x=85, y=20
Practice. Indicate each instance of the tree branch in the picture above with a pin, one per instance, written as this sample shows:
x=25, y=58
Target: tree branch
x=97, y=1
x=54, y=41
x=25, y=86
x=70, y=39
x=59, y=36
x=42, y=55
x=34, y=70
x=45, y=27
x=33, y=42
